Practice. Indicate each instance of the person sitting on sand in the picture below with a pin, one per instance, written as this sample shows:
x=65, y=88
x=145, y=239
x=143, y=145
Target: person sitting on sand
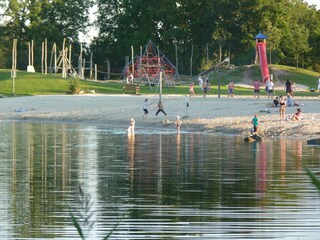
x=297, y=116
x=132, y=126
x=275, y=102
x=291, y=102
x=178, y=123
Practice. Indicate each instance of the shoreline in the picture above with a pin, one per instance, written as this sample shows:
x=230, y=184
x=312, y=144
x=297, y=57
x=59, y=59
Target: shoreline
x=219, y=116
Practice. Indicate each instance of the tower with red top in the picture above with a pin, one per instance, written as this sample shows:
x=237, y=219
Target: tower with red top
x=261, y=56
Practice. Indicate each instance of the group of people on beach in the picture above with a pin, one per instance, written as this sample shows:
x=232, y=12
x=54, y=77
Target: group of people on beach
x=145, y=106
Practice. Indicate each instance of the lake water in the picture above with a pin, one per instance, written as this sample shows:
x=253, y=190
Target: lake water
x=153, y=185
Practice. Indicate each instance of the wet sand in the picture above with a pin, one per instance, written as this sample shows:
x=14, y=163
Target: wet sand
x=220, y=116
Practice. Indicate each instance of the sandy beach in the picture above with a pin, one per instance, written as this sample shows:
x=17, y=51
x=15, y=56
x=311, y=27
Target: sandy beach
x=220, y=116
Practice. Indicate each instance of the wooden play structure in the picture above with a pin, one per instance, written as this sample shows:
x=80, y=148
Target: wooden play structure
x=147, y=65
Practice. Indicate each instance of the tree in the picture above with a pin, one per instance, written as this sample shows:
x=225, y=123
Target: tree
x=36, y=20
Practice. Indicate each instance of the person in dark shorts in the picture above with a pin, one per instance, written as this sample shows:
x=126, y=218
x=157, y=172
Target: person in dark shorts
x=145, y=107
x=160, y=108
x=255, y=124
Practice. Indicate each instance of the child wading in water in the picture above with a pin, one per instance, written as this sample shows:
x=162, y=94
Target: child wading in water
x=178, y=123
x=132, y=126
x=255, y=124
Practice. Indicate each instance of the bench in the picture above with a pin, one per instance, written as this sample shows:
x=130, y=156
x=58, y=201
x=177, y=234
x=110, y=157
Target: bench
x=131, y=88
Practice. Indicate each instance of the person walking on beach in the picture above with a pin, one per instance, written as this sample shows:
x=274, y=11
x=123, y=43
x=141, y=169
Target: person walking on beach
x=282, y=109
x=204, y=88
x=200, y=80
x=255, y=124
x=269, y=88
x=230, y=89
x=191, y=89
x=178, y=123
x=288, y=87
x=256, y=88
x=145, y=107
x=160, y=108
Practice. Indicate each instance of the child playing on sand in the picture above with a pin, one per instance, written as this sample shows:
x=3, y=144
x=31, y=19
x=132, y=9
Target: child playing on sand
x=275, y=102
x=132, y=126
x=160, y=108
x=255, y=124
x=297, y=116
x=178, y=123
x=145, y=107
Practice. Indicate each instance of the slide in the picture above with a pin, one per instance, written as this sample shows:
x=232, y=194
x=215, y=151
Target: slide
x=261, y=48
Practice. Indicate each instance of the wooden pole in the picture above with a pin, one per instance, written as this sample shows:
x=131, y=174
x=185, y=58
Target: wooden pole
x=132, y=57
x=80, y=62
x=191, y=60
x=160, y=86
x=29, y=54
x=42, y=57
x=64, y=74
x=207, y=51
x=158, y=52
x=14, y=64
x=95, y=72
x=176, y=48
x=70, y=53
x=91, y=66
x=83, y=68
x=108, y=69
x=45, y=56
x=55, y=58
x=32, y=53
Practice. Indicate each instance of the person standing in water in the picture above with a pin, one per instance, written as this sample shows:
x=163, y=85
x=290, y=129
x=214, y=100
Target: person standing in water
x=255, y=124
x=178, y=123
x=132, y=126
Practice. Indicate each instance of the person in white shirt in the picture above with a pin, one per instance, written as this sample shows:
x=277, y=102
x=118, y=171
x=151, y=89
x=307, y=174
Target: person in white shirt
x=145, y=108
x=270, y=87
x=200, y=82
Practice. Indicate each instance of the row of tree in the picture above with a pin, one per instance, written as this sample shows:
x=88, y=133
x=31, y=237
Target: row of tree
x=201, y=31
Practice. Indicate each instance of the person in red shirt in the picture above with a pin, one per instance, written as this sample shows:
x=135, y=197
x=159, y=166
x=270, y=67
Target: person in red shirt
x=297, y=116
x=256, y=88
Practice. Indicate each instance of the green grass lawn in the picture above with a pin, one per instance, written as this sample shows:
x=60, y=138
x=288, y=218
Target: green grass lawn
x=40, y=84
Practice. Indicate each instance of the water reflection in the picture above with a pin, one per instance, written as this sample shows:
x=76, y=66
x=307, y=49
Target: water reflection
x=169, y=185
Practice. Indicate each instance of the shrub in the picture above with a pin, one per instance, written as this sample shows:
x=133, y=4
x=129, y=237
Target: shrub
x=74, y=86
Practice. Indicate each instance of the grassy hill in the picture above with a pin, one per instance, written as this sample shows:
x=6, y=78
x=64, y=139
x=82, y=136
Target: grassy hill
x=40, y=84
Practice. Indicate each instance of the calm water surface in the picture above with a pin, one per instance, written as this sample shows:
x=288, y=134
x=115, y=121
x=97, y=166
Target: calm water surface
x=153, y=185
